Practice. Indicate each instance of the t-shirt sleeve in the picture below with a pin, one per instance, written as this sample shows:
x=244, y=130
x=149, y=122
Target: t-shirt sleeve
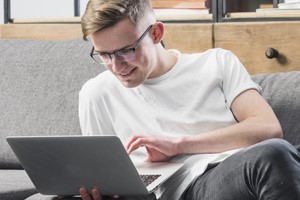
x=236, y=79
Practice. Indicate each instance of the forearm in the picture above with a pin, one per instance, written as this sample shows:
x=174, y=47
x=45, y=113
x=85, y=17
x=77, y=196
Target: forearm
x=243, y=134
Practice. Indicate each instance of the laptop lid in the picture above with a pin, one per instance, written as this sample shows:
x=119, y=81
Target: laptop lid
x=60, y=165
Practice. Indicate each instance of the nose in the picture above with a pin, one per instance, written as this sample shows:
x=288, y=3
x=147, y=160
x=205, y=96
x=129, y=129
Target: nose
x=117, y=65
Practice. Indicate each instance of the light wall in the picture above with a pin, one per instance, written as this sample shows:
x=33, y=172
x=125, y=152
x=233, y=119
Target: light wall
x=1, y=12
x=41, y=8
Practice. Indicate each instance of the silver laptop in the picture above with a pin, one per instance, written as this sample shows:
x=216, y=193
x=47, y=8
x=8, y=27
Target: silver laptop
x=60, y=165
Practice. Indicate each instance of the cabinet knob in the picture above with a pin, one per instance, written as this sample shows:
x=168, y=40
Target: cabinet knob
x=271, y=53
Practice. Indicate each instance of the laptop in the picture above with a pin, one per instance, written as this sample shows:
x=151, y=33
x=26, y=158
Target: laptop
x=60, y=165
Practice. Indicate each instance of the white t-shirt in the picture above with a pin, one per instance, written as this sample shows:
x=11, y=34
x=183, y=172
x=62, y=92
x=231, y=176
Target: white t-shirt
x=192, y=98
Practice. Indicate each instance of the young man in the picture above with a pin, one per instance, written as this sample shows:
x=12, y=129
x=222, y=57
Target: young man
x=162, y=103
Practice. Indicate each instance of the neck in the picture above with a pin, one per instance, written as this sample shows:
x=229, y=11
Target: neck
x=165, y=61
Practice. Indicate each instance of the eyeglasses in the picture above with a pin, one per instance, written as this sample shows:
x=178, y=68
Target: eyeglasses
x=124, y=55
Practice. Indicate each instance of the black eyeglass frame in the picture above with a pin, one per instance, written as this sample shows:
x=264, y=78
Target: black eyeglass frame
x=115, y=53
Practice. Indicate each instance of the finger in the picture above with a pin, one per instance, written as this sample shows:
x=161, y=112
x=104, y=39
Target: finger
x=96, y=194
x=84, y=194
x=139, y=142
x=133, y=139
x=131, y=145
x=142, y=142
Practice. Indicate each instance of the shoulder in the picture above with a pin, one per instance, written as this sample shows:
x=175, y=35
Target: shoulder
x=218, y=53
x=98, y=86
x=211, y=60
x=215, y=55
x=223, y=59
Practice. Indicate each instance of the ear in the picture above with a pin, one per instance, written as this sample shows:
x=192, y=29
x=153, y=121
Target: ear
x=158, y=32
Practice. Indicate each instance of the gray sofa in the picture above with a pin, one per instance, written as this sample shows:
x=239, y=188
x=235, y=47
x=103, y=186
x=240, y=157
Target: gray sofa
x=39, y=86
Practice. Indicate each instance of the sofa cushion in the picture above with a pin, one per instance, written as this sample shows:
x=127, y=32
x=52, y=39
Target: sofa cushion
x=15, y=184
x=282, y=91
x=39, y=86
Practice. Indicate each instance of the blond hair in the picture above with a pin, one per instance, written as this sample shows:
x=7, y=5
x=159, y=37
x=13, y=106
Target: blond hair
x=100, y=14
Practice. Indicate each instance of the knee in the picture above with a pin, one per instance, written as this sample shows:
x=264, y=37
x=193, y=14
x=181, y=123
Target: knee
x=275, y=150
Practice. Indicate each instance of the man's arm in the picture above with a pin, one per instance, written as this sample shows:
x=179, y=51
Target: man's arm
x=256, y=122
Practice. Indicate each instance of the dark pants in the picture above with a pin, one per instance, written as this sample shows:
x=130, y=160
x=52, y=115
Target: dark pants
x=269, y=170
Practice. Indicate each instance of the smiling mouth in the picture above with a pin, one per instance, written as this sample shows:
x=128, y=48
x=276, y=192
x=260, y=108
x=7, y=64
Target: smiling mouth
x=126, y=74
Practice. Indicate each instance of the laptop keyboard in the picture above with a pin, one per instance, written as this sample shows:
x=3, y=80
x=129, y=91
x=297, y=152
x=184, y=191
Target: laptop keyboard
x=148, y=179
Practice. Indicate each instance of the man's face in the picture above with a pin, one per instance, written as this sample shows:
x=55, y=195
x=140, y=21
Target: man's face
x=122, y=36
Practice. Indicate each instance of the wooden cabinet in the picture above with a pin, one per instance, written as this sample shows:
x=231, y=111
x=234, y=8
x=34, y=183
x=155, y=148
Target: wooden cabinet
x=188, y=38
x=247, y=40
x=250, y=40
x=40, y=31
